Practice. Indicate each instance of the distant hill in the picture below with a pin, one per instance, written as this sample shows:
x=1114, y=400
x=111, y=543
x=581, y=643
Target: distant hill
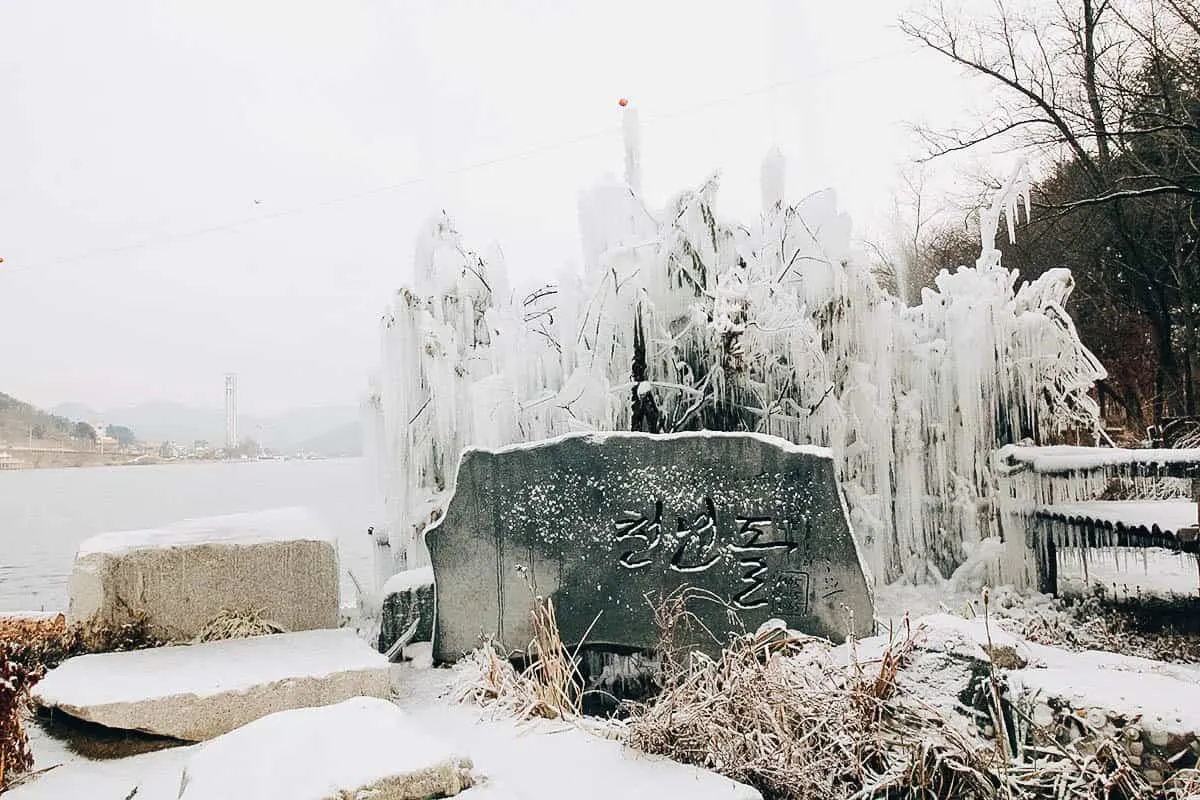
x=344, y=441
x=324, y=430
x=20, y=422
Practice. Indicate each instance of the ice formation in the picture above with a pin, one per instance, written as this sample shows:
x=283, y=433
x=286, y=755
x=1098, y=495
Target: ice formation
x=682, y=320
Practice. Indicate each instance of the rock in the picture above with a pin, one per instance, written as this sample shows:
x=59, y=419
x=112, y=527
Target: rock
x=196, y=692
x=280, y=565
x=364, y=747
x=604, y=524
x=407, y=598
x=1158, y=712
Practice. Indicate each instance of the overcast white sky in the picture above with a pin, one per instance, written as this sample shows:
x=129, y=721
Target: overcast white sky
x=125, y=122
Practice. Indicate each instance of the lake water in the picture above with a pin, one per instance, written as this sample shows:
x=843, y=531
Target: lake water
x=46, y=513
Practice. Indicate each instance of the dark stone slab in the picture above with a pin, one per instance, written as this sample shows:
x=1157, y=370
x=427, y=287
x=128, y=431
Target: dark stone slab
x=407, y=598
x=607, y=523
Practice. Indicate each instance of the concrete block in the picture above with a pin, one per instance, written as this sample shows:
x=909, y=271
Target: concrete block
x=280, y=564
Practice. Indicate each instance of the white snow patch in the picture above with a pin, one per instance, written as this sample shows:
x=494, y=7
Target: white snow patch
x=408, y=579
x=274, y=525
x=316, y=753
x=1057, y=459
x=1129, y=572
x=600, y=437
x=1163, y=703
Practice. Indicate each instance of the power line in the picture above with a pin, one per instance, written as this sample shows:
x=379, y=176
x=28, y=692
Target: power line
x=168, y=238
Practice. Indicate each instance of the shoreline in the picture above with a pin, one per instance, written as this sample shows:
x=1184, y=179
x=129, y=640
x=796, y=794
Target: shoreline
x=83, y=459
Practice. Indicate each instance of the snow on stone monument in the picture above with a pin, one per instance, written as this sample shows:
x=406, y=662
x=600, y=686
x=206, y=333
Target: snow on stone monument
x=607, y=524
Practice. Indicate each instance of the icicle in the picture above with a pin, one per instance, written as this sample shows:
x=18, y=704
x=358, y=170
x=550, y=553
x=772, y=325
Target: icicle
x=773, y=177
x=777, y=327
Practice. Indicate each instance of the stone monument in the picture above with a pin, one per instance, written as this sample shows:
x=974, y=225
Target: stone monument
x=607, y=524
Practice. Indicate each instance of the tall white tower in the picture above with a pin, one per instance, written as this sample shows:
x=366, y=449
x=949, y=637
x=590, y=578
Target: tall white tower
x=231, y=437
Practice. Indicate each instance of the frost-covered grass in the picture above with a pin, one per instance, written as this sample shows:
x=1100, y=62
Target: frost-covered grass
x=549, y=687
x=783, y=712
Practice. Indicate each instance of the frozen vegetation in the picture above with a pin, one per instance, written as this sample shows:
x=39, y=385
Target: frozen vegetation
x=681, y=320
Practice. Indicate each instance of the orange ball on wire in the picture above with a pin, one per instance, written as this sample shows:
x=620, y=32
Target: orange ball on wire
x=624, y=101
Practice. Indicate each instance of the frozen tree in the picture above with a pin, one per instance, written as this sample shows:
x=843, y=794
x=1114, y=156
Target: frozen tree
x=683, y=321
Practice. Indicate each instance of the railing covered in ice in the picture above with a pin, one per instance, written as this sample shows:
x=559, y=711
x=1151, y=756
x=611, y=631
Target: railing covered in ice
x=1056, y=496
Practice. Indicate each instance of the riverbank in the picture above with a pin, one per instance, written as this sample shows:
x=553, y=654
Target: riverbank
x=26, y=459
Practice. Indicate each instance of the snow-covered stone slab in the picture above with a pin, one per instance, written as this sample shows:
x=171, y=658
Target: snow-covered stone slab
x=364, y=747
x=281, y=564
x=196, y=692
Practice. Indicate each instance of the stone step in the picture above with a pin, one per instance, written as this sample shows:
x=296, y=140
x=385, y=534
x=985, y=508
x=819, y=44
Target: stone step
x=197, y=692
x=364, y=747
x=531, y=760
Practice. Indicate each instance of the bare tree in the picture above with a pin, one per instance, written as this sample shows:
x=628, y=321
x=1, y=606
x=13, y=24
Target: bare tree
x=1106, y=93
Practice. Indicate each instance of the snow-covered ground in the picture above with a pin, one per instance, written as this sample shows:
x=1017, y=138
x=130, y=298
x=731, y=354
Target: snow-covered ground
x=527, y=760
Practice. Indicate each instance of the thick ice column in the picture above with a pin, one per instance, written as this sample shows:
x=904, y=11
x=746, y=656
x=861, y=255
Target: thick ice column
x=773, y=179
x=633, y=149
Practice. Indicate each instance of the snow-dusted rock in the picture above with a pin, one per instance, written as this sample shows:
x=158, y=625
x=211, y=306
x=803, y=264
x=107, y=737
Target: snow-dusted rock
x=970, y=639
x=280, y=564
x=1154, y=711
x=200, y=691
x=364, y=747
x=407, y=598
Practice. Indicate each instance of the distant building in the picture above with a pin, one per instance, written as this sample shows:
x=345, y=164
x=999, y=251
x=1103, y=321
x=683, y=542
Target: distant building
x=231, y=437
x=103, y=440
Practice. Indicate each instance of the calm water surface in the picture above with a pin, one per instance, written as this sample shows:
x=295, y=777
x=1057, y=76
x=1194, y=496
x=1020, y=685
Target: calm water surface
x=46, y=513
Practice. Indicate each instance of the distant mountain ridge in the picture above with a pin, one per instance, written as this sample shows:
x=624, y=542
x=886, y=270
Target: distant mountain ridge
x=22, y=423
x=324, y=430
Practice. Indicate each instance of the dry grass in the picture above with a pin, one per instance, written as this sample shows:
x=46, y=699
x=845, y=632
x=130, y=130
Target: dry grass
x=1183, y=784
x=775, y=711
x=238, y=625
x=1090, y=623
x=30, y=647
x=549, y=688
x=27, y=648
x=17, y=678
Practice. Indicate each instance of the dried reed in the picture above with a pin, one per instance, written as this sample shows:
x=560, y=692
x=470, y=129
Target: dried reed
x=550, y=687
x=242, y=624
